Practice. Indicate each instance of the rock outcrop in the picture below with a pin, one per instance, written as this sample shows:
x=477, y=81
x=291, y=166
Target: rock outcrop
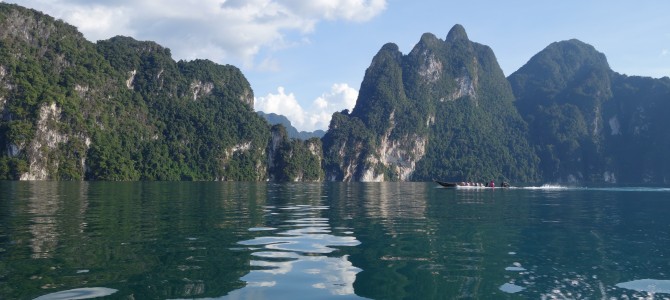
x=445, y=110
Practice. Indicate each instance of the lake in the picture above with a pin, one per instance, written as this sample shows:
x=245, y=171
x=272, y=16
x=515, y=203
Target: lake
x=204, y=240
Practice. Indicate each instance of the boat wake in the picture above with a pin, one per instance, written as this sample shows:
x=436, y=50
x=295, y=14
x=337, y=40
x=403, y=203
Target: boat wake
x=548, y=187
x=556, y=187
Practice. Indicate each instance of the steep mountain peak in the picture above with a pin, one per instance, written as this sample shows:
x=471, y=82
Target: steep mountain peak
x=429, y=39
x=585, y=53
x=568, y=57
x=457, y=33
x=415, y=113
x=389, y=49
x=560, y=65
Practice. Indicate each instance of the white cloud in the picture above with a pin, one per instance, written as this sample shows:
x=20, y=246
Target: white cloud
x=282, y=104
x=225, y=31
x=99, y=22
x=352, y=10
x=665, y=52
x=341, y=96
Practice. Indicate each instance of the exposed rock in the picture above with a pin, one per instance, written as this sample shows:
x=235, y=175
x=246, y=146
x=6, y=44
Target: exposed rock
x=248, y=98
x=46, y=140
x=465, y=86
x=350, y=167
x=81, y=90
x=3, y=84
x=200, y=89
x=276, y=139
x=238, y=148
x=431, y=69
x=131, y=79
x=398, y=155
x=315, y=149
x=28, y=30
x=609, y=177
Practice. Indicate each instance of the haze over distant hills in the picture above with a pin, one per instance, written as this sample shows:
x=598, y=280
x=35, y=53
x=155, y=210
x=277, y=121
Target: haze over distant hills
x=122, y=109
x=292, y=132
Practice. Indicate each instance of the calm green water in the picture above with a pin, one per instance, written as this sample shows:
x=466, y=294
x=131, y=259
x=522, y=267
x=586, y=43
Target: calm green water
x=331, y=241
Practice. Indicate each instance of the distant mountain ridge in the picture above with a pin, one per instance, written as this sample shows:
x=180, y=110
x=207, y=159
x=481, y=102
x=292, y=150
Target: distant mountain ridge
x=293, y=133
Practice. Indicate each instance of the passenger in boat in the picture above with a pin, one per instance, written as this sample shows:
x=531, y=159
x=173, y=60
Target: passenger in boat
x=492, y=184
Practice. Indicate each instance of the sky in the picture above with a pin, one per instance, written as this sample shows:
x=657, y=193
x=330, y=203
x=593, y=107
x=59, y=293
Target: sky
x=305, y=59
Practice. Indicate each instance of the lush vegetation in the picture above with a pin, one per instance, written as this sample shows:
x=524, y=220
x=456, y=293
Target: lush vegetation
x=590, y=124
x=120, y=109
x=294, y=159
x=450, y=93
x=123, y=109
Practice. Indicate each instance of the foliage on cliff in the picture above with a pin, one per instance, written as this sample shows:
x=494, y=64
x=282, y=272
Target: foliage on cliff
x=294, y=159
x=445, y=111
x=120, y=109
x=589, y=123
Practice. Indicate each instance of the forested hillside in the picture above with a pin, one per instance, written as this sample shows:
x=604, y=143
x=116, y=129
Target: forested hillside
x=591, y=124
x=120, y=109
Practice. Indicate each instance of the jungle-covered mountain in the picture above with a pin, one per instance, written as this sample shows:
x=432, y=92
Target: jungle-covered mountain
x=292, y=132
x=590, y=124
x=443, y=111
x=122, y=109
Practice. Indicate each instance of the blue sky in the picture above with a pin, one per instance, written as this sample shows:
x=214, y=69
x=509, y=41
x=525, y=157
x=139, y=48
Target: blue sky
x=306, y=58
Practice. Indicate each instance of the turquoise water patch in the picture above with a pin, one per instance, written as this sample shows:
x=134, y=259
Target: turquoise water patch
x=82, y=293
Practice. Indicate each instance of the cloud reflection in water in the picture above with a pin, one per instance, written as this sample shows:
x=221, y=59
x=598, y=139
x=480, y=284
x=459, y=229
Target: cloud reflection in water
x=294, y=262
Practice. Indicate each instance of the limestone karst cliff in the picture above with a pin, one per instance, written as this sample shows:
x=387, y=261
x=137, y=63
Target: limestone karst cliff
x=445, y=110
x=120, y=109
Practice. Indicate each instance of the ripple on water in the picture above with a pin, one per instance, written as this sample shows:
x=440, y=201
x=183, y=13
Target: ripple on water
x=82, y=293
x=511, y=288
x=516, y=267
x=262, y=229
x=295, y=251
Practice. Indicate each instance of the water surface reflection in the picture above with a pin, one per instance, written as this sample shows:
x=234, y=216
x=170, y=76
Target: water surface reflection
x=297, y=259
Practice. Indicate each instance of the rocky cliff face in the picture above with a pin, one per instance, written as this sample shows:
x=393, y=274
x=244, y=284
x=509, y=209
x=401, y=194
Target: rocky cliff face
x=589, y=123
x=293, y=160
x=417, y=115
x=120, y=109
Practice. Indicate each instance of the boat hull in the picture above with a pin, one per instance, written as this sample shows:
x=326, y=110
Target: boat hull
x=448, y=184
